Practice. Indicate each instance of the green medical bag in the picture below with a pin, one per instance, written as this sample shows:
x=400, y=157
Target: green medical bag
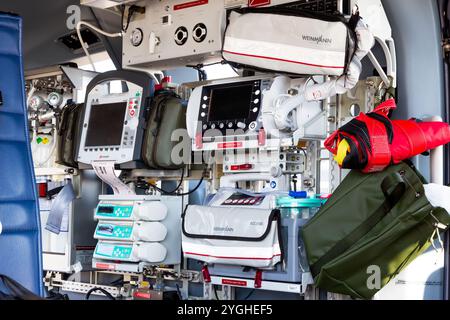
x=67, y=135
x=370, y=229
x=167, y=114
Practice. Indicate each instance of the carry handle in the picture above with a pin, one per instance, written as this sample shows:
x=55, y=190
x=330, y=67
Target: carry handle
x=393, y=187
x=386, y=107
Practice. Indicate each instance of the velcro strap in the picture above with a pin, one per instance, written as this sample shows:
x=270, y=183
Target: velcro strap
x=381, y=151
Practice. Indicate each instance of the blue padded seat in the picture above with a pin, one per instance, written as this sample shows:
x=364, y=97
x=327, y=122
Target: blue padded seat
x=20, y=239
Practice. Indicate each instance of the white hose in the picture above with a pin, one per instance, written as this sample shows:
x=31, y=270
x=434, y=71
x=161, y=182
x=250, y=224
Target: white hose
x=30, y=93
x=282, y=119
x=83, y=45
x=346, y=82
x=322, y=91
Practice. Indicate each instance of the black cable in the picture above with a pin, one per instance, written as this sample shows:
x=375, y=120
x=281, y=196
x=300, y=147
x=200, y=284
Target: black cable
x=179, y=292
x=179, y=194
x=304, y=153
x=141, y=184
x=215, y=292
x=179, y=184
x=106, y=293
x=249, y=295
x=131, y=10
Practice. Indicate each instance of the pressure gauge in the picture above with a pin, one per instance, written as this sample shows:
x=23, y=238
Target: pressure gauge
x=55, y=99
x=136, y=37
x=36, y=102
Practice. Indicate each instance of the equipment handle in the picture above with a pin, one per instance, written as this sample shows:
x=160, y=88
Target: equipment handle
x=393, y=187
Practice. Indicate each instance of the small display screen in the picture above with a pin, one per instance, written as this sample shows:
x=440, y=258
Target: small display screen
x=106, y=209
x=231, y=103
x=106, y=124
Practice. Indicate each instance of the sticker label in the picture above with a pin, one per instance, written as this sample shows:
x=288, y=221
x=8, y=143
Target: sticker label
x=105, y=266
x=258, y=3
x=229, y=145
x=234, y=282
x=190, y=4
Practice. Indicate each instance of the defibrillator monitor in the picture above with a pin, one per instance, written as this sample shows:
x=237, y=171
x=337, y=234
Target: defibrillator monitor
x=113, y=122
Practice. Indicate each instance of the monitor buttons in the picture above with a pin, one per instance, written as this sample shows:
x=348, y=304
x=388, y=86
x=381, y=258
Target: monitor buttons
x=256, y=101
x=252, y=125
x=255, y=110
x=221, y=126
x=213, y=126
x=230, y=124
x=241, y=125
x=257, y=92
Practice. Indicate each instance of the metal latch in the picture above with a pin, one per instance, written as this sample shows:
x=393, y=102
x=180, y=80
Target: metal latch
x=446, y=46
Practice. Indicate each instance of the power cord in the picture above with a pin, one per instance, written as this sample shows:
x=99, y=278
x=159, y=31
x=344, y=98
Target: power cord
x=106, y=293
x=83, y=45
x=131, y=11
x=145, y=185
x=178, y=194
x=249, y=294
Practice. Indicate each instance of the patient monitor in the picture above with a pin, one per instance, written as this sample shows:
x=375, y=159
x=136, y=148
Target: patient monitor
x=242, y=113
x=113, y=120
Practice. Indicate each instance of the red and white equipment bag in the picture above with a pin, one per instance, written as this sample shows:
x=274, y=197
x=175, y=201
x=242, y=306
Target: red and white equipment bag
x=289, y=41
x=236, y=236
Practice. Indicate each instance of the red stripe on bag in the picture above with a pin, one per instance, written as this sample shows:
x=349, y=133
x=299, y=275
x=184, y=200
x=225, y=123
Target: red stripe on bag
x=236, y=258
x=282, y=60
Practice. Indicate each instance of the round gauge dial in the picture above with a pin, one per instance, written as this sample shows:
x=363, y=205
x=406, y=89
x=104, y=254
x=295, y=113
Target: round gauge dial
x=55, y=99
x=136, y=37
x=36, y=102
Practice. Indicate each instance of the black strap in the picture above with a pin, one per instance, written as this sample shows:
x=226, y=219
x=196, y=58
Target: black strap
x=387, y=124
x=53, y=192
x=393, y=187
x=354, y=160
x=359, y=130
x=16, y=290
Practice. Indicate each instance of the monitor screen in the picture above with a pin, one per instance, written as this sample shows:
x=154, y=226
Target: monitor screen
x=231, y=103
x=106, y=124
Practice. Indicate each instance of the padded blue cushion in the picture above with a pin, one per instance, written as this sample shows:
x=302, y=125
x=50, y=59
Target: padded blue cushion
x=20, y=240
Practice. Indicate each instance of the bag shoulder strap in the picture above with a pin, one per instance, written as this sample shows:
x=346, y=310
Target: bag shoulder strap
x=17, y=291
